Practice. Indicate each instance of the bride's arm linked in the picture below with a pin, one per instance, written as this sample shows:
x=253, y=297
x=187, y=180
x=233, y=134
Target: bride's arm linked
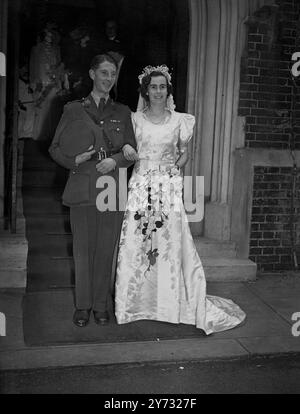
x=184, y=156
x=130, y=153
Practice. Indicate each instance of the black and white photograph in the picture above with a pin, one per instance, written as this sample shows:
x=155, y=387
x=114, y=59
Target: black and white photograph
x=149, y=199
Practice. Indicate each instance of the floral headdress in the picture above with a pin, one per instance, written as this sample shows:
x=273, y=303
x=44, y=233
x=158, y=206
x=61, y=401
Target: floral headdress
x=149, y=69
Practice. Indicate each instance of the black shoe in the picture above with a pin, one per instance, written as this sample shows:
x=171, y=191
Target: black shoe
x=81, y=317
x=101, y=317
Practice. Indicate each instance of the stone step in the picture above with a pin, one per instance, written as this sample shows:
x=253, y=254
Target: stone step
x=58, y=271
x=44, y=178
x=13, y=257
x=50, y=272
x=39, y=200
x=42, y=165
x=52, y=244
x=39, y=161
x=35, y=147
x=47, y=193
x=228, y=269
x=42, y=224
x=38, y=157
x=214, y=248
x=61, y=242
x=36, y=151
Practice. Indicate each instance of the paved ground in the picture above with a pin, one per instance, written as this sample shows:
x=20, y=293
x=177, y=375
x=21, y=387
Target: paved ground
x=269, y=303
x=272, y=375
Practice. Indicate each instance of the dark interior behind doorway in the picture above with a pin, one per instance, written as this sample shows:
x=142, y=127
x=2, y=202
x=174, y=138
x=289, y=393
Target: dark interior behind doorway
x=153, y=32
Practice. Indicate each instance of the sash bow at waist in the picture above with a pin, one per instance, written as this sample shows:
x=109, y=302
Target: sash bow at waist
x=154, y=164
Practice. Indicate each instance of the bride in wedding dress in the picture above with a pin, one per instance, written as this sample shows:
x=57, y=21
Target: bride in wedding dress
x=159, y=272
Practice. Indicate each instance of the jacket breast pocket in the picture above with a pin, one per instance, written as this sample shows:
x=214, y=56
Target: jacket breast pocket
x=116, y=133
x=77, y=189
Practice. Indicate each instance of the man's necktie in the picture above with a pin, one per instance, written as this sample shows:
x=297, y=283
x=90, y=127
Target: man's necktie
x=101, y=105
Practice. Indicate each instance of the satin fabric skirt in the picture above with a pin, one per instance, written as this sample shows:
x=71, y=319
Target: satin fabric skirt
x=159, y=272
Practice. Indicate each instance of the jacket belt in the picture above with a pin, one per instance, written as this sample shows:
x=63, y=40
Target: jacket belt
x=102, y=154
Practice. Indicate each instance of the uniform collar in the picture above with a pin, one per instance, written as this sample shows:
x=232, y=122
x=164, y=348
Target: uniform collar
x=109, y=109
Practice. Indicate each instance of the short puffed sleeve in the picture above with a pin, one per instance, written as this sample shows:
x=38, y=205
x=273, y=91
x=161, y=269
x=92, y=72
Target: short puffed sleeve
x=187, y=123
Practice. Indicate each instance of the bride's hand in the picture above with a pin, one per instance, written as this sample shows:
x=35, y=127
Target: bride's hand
x=130, y=153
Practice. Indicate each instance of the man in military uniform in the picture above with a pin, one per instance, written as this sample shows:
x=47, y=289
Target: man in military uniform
x=89, y=141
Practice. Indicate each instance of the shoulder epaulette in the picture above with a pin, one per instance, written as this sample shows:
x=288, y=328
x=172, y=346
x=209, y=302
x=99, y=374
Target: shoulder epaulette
x=83, y=101
x=70, y=102
x=86, y=102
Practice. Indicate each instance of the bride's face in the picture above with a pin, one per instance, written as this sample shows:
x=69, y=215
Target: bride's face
x=157, y=90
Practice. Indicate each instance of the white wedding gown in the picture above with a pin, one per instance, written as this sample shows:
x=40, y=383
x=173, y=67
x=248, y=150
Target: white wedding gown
x=159, y=272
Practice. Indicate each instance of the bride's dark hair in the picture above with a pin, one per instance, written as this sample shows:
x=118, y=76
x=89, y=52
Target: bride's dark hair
x=146, y=82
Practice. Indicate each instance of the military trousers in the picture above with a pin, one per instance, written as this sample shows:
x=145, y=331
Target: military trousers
x=95, y=235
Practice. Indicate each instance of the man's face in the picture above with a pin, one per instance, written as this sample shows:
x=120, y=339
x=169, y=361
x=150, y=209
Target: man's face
x=104, y=77
x=111, y=29
x=84, y=41
x=23, y=73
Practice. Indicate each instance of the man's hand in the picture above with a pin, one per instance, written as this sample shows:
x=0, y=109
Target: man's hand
x=85, y=156
x=75, y=84
x=130, y=153
x=106, y=165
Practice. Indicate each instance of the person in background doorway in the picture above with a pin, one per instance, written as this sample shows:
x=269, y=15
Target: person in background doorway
x=78, y=48
x=113, y=46
x=26, y=105
x=47, y=80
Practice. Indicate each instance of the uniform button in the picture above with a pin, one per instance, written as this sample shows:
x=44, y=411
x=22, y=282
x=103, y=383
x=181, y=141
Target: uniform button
x=101, y=122
x=118, y=129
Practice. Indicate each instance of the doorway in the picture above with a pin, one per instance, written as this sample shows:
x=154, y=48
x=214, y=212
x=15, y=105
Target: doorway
x=153, y=32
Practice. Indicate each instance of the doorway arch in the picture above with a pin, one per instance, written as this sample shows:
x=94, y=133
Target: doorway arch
x=217, y=41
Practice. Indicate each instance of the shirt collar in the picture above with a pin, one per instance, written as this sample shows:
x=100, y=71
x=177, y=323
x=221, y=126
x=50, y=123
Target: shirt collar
x=98, y=97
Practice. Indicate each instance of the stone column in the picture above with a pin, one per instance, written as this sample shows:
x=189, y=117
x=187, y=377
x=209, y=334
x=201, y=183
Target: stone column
x=3, y=49
x=13, y=247
x=217, y=41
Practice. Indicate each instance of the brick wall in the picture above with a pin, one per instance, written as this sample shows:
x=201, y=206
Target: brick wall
x=266, y=86
x=270, y=239
x=269, y=102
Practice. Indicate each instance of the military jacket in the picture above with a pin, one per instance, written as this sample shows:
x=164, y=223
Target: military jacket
x=82, y=126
